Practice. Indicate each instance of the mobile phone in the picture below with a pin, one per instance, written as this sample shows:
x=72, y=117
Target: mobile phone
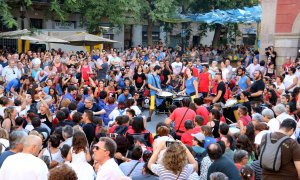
x=168, y=143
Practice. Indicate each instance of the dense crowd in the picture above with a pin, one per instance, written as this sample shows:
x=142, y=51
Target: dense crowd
x=84, y=115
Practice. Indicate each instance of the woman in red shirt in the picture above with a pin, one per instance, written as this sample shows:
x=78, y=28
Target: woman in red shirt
x=86, y=70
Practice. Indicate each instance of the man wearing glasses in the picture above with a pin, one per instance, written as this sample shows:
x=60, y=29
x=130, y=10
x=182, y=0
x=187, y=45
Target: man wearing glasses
x=104, y=152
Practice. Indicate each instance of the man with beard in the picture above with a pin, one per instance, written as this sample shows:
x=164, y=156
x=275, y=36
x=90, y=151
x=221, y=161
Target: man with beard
x=221, y=89
x=165, y=75
x=244, y=81
x=257, y=88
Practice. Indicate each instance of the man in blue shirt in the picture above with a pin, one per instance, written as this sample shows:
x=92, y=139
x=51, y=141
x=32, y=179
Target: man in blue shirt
x=15, y=145
x=90, y=104
x=154, y=86
x=72, y=90
x=124, y=96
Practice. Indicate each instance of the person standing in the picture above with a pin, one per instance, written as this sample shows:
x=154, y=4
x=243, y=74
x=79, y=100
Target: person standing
x=25, y=165
x=204, y=81
x=257, y=88
x=221, y=89
x=102, y=69
x=244, y=81
x=290, y=153
x=104, y=152
x=154, y=85
x=177, y=66
x=191, y=84
x=89, y=127
x=290, y=80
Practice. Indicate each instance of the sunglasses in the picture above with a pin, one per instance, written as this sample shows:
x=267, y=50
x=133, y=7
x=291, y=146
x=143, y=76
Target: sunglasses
x=97, y=148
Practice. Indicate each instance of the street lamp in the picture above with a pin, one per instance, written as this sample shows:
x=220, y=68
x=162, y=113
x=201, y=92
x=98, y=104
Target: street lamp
x=22, y=16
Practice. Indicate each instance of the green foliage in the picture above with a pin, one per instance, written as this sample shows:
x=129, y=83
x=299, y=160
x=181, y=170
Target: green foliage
x=6, y=16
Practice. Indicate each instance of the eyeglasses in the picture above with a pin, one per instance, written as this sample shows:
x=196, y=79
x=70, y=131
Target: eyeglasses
x=97, y=148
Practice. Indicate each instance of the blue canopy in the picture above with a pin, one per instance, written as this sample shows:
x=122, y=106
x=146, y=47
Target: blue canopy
x=246, y=15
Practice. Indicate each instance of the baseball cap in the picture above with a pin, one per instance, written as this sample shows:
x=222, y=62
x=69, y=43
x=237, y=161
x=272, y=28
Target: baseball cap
x=199, y=136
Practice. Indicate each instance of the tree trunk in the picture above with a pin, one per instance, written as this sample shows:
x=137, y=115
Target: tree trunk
x=217, y=35
x=149, y=32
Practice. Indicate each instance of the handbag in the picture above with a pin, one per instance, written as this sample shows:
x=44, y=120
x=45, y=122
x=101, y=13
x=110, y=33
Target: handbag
x=173, y=133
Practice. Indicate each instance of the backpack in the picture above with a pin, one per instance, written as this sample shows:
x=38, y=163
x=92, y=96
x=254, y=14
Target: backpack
x=270, y=156
x=199, y=157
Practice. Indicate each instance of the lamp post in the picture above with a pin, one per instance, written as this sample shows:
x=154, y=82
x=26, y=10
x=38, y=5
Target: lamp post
x=22, y=16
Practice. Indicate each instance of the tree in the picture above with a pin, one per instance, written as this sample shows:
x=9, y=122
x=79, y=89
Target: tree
x=153, y=11
x=92, y=12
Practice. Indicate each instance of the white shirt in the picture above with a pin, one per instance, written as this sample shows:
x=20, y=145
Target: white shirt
x=109, y=171
x=176, y=66
x=274, y=125
x=280, y=87
x=23, y=166
x=259, y=136
x=115, y=113
x=252, y=68
x=11, y=73
x=288, y=81
x=4, y=143
x=284, y=116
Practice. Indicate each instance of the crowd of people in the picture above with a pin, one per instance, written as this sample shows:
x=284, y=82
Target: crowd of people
x=84, y=115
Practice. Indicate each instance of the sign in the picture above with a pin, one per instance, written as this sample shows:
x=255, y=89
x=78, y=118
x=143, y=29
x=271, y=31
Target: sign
x=64, y=25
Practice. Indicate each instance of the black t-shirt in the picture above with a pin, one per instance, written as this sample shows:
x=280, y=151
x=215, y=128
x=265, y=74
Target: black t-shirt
x=164, y=76
x=224, y=165
x=221, y=87
x=255, y=87
x=45, y=120
x=273, y=59
x=89, y=130
x=139, y=79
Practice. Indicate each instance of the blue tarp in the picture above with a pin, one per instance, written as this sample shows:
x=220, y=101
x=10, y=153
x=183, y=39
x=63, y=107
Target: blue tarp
x=246, y=15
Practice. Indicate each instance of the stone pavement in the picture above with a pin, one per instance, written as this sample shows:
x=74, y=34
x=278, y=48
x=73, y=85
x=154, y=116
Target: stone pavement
x=156, y=118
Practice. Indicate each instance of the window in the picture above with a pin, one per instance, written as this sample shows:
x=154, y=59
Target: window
x=36, y=23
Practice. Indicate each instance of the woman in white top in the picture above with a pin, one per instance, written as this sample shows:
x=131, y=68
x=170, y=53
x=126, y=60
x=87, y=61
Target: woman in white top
x=4, y=142
x=79, y=156
x=52, y=151
x=225, y=72
x=280, y=88
x=163, y=135
x=290, y=81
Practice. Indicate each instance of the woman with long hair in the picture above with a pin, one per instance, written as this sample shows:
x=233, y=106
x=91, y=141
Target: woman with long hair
x=244, y=143
x=10, y=114
x=191, y=84
x=177, y=161
x=79, y=156
x=139, y=79
x=138, y=127
x=214, y=122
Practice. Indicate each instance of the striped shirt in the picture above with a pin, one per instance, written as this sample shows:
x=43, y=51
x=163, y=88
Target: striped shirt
x=167, y=174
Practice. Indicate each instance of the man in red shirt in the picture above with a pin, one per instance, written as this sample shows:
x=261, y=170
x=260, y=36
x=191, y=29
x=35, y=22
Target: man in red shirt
x=201, y=110
x=204, y=84
x=180, y=115
x=187, y=137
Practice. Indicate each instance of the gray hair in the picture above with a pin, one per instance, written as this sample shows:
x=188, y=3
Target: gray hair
x=16, y=137
x=110, y=145
x=257, y=117
x=239, y=155
x=89, y=98
x=279, y=109
x=218, y=176
x=67, y=131
x=268, y=113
